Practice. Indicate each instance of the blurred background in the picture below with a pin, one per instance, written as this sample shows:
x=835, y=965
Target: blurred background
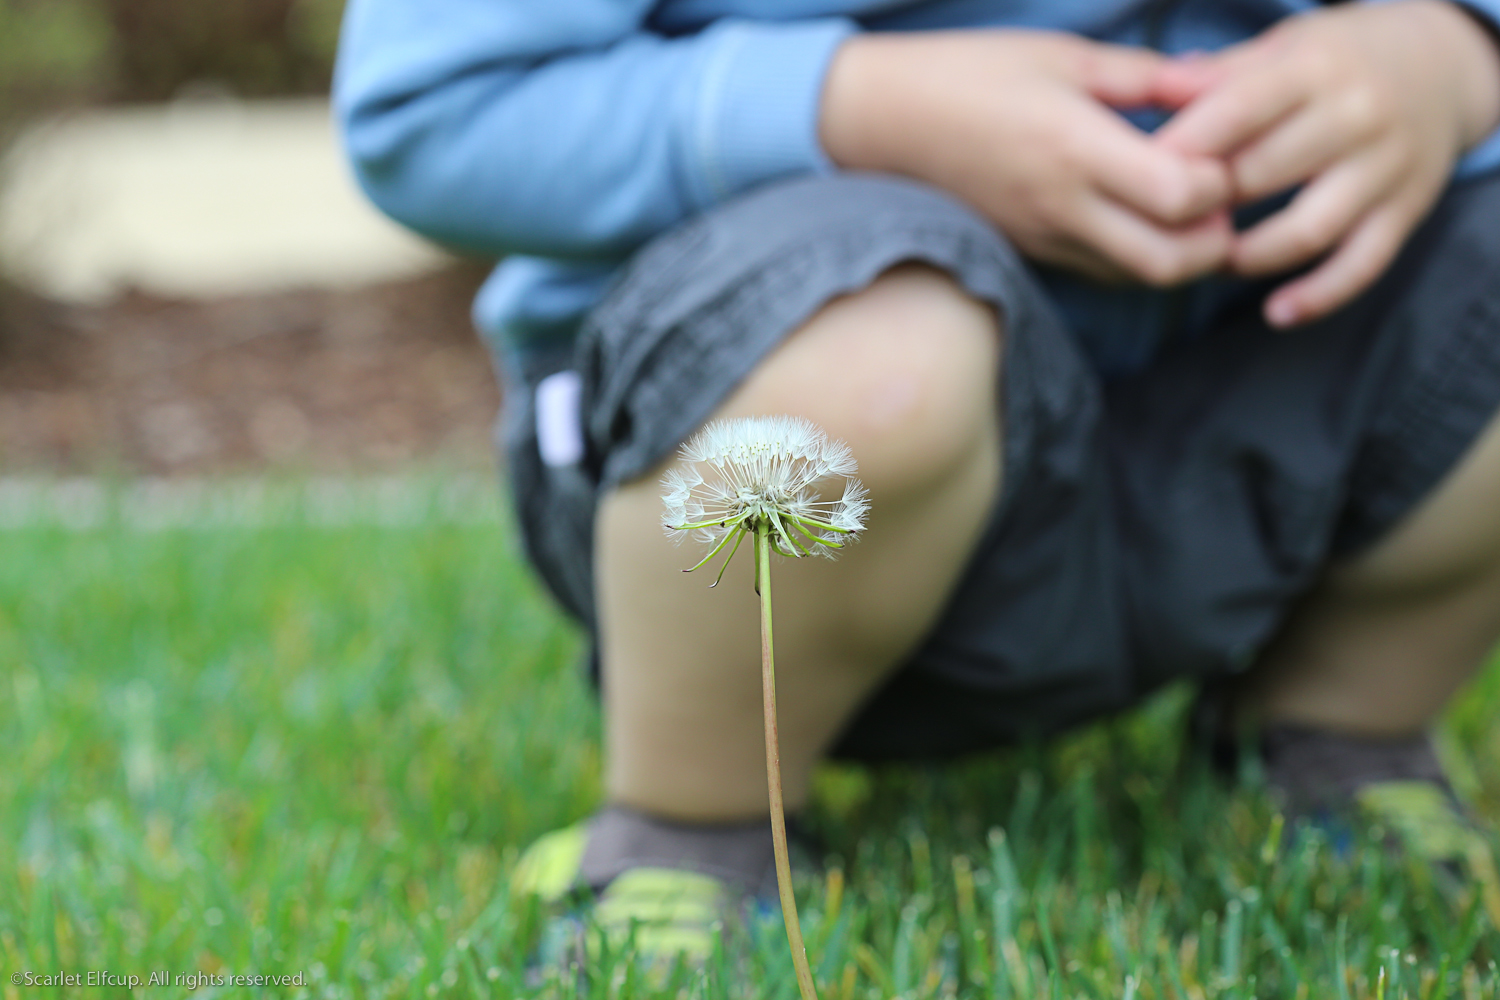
x=276, y=694
x=189, y=281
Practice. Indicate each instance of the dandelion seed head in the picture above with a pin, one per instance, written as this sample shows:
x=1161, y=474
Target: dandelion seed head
x=737, y=474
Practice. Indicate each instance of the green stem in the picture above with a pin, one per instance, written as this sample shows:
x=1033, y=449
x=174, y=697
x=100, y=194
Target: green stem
x=773, y=767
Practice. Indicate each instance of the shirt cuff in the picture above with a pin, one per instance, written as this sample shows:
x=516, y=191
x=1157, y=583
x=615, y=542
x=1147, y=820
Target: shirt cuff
x=759, y=96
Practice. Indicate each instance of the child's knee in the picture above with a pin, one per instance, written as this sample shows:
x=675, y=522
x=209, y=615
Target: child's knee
x=906, y=371
x=1451, y=538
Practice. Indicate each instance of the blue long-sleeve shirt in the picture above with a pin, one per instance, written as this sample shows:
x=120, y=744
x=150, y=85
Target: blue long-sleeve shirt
x=563, y=134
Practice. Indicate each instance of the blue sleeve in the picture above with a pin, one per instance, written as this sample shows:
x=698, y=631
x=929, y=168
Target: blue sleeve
x=1485, y=156
x=565, y=128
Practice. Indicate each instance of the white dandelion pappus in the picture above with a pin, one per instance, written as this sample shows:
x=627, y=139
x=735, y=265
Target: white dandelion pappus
x=741, y=473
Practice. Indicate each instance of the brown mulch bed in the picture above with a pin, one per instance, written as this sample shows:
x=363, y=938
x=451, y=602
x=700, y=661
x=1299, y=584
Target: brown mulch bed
x=345, y=381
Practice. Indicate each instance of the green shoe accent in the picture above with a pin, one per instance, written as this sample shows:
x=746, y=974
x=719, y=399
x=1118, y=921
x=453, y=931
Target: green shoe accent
x=670, y=912
x=1425, y=817
x=662, y=913
x=1430, y=824
x=549, y=867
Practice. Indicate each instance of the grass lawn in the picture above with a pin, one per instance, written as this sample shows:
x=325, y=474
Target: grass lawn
x=298, y=743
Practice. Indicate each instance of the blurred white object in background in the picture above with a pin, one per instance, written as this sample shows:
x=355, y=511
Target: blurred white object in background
x=196, y=199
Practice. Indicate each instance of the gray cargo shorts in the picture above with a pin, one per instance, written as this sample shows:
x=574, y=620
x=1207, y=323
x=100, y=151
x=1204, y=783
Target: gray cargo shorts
x=1152, y=525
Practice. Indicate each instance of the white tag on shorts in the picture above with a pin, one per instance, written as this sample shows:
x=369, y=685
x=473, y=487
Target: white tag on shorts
x=559, y=424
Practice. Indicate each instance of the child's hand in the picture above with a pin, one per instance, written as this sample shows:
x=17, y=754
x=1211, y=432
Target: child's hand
x=1368, y=105
x=1019, y=125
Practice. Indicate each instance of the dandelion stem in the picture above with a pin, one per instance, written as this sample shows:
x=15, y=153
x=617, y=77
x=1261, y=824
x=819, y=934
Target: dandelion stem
x=773, y=766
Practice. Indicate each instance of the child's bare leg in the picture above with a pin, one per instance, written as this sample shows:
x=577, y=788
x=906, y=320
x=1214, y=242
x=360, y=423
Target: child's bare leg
x=1383, y=643
x=905, y=371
